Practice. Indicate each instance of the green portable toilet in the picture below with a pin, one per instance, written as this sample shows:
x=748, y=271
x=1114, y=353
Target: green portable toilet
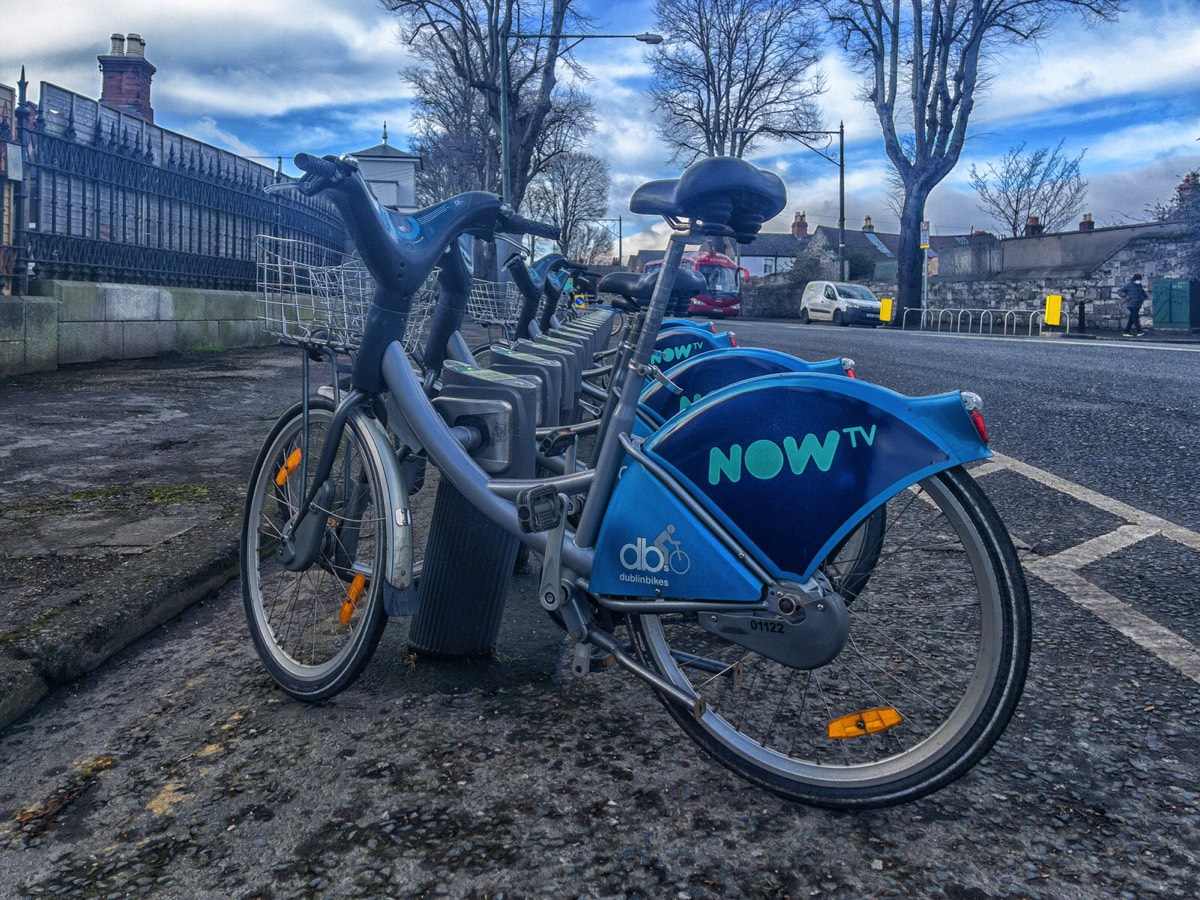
x=1176, y=305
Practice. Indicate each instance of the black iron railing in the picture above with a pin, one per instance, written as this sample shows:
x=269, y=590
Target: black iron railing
x=111, y=197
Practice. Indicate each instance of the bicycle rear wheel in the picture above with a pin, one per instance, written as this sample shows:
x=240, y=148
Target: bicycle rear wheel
x=315, y=630
x=929, y=677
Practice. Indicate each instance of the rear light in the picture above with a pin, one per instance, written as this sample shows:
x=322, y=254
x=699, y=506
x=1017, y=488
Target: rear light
x=848, y=366
x=732, y=339
x=974, y=405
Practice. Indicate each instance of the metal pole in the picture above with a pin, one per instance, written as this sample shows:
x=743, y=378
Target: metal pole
x=842, y=201
x=620, y=250
x=505, y=190
x=20, y=223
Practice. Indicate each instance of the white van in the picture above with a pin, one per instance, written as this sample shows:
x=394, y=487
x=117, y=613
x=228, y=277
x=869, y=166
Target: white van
x=839, y=303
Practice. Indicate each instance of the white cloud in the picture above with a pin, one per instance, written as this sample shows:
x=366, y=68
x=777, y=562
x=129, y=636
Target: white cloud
x=206, y=129
x=274, y=76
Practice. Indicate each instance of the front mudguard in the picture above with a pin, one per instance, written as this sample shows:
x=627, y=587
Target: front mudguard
x=787, y=465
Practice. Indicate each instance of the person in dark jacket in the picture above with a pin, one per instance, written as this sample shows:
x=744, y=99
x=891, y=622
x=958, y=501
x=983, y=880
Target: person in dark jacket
x=1134, y=296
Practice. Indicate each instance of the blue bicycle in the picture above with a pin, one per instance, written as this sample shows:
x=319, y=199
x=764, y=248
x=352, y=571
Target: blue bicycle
x=692, y=557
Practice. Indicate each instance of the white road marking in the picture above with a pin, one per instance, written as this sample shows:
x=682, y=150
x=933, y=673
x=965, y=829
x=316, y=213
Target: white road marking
x=1141, y=629
x=1130, y=514
x=1061, y=571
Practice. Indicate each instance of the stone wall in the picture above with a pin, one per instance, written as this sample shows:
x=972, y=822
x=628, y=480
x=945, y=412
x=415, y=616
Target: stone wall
x=75, y=322
x=1020, y=273
x=1157, y=255
x=771, y=297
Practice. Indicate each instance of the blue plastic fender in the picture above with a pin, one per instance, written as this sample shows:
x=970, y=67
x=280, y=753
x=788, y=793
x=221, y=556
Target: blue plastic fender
x=674, y=345
x=700, y=376
x=672, y=322
x=789, y=464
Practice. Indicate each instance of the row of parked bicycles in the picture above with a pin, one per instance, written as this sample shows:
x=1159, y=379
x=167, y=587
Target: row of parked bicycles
x=795, y=560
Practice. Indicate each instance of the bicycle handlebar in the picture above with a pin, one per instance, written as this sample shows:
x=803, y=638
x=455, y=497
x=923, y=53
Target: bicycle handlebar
x=515, y=224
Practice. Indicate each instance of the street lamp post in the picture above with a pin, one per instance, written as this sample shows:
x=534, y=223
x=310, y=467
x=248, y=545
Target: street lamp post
x=505, y=88
x=619, y=233
x=841, y=164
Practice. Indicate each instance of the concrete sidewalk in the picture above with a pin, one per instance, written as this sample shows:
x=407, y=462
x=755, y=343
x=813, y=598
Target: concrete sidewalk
x=121, y=488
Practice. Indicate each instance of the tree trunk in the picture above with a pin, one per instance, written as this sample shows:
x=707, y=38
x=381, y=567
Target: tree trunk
x=911, y=256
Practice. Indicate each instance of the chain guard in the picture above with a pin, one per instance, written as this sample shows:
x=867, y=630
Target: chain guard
x=807, y=639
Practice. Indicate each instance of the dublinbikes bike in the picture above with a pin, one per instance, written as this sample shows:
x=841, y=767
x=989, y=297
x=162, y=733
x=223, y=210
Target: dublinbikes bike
x=693, y=557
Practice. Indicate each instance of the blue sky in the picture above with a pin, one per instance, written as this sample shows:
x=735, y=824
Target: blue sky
x=267, y=78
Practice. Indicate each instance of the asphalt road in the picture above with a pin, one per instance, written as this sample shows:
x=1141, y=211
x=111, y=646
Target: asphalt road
x=178, y=770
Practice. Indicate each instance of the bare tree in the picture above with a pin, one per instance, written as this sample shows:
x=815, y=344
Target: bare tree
x=1041, y=183
x=1184, y=209
x=732, y=72
x=571, y=193
x=450, y=134
x=595, y=247
x=923, y=61
x=460, y=44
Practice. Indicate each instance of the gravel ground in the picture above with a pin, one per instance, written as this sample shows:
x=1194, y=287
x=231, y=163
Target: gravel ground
x=179, y=770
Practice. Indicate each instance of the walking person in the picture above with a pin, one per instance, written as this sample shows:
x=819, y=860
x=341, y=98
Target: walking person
x=1134, y=296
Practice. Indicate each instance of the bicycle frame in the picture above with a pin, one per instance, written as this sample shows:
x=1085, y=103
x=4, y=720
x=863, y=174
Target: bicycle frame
x=742, y=537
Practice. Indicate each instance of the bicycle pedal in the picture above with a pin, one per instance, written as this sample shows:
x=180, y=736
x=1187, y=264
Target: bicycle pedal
x=557, y=444
x=539, y=509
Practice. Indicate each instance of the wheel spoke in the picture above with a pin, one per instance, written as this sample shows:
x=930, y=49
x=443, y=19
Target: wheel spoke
x=926, y=632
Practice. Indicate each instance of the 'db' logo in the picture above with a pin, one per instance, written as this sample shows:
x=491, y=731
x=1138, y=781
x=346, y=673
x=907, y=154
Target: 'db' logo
x=665, y=555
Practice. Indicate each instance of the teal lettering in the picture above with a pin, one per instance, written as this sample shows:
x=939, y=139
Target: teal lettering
x=719, y=464
x=764, y=459
x=684, y=402
x=854, y=432
x=811, y=448
x=683, y=351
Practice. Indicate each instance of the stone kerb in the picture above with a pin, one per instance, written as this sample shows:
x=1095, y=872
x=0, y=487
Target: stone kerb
x=77, y=322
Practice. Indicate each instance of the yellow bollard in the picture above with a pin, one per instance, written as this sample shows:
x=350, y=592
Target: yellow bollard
x=885, y=309
x=1054, y=309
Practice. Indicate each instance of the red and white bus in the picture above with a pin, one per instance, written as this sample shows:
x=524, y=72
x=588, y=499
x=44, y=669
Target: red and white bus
x=724, y=277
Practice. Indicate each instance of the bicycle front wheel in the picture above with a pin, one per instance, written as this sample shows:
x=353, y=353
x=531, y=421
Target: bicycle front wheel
x=929, y=677
x=315, y=630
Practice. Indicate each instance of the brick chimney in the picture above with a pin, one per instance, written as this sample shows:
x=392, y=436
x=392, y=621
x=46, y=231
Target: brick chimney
x=1033, y=226
x=867, y=226
x=800, y=226
x=126, y=75
x=1086, y=223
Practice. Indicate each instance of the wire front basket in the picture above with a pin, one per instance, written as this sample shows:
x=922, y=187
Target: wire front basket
x=314, y=295
x=494, y=305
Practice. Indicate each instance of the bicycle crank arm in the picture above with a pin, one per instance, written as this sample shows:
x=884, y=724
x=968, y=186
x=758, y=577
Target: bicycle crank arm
x=608, y=643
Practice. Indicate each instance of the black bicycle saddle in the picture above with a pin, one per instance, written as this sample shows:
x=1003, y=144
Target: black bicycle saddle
x=716, y=194
x=639, y=288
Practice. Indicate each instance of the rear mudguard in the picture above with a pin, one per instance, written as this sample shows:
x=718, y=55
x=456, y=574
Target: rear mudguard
x=787, y=465
x=700, y=376
x=672, y=322
x=674, y=345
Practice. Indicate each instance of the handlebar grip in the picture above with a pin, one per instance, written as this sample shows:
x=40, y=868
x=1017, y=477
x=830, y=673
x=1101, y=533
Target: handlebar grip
x=315, y=165
x=520, y=225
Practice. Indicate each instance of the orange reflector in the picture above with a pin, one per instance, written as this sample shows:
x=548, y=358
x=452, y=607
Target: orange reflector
x=866, y=722
x=287, y=468
x=353, y=595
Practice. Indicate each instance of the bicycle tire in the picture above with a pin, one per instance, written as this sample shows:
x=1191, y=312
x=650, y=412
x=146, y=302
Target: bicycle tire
x=315, y=630
x=953, y=668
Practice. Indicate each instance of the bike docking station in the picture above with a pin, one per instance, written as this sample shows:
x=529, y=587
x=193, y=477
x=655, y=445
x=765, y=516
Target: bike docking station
x=468, y=560
x=787, y=532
